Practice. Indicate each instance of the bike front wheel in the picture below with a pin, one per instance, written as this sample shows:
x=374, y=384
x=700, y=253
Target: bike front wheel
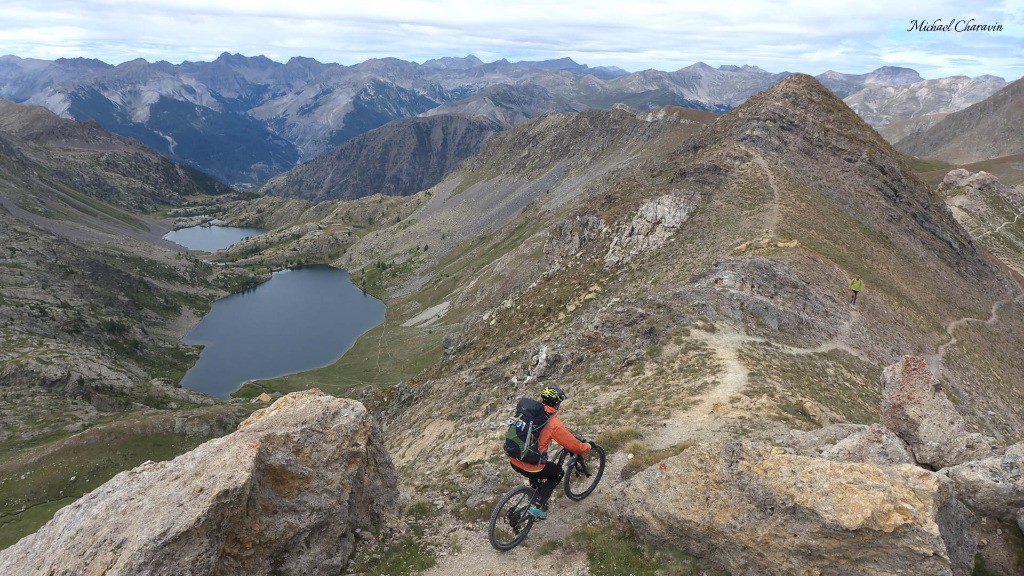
x=585, y=472
x=511, y=519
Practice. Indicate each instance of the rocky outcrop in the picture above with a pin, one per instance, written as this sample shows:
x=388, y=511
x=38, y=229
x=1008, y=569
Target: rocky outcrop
x=654, y=223
x=993, y=486
x=756, y=509
x=567, y=239
x=980, y=182
x=283, y=495
x=915, y=407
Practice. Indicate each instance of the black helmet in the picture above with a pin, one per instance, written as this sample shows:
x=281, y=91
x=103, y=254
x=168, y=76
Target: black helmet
x=552, y=396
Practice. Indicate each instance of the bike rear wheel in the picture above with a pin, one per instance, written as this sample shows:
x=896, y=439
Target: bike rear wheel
x=582, y=477
x=511, y=519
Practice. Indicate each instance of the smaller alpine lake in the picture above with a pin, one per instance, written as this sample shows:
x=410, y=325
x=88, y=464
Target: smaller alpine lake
x=210, y=238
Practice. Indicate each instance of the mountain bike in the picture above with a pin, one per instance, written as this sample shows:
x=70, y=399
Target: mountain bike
x=511, y=520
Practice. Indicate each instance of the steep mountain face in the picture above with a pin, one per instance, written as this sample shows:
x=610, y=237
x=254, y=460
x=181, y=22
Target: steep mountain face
x=175, y=114
x=718, y=89
x=989, y=129
x=93, y=302
x=398, y=159
x=102, y=165
x=506, y=104
x=845, y=85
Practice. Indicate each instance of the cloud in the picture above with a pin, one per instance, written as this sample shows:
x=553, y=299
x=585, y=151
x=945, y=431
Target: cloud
x=796, y=35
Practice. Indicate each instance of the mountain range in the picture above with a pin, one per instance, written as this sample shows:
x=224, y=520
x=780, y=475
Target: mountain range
x=989, y=129
x=246, y=119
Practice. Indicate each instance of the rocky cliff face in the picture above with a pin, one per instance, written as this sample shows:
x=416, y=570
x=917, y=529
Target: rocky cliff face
x=990, y=211
x=286, y=493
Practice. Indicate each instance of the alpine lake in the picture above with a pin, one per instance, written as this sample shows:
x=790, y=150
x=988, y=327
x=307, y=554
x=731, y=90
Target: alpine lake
x=301, y=319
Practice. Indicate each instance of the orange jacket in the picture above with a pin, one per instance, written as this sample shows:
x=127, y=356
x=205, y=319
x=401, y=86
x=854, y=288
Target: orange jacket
x=553, y=430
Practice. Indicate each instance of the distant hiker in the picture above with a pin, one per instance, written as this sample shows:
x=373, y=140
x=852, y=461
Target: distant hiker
x=855, y=287
x=549, y=428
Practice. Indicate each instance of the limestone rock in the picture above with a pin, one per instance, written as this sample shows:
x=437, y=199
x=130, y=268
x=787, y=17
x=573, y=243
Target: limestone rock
x=568, y=238
x=915, y=407
x=874, y=445
x=652, y=226
x=994, y=486
x=756, y=509
x=283, y=495
x=815, y=442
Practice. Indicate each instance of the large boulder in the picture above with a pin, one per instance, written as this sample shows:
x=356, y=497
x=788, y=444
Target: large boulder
x=993, y=486
x=916, y=408
x=756, y=509
x=282, y=495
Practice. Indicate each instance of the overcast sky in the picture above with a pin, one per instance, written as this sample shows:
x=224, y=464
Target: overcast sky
x=796, y=35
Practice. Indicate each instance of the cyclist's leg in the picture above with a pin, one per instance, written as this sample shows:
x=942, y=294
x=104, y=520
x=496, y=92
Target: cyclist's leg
x=552, y=476
x=549, y=477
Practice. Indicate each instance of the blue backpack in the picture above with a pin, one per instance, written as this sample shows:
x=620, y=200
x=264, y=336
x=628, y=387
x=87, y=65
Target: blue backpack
x=524, y=428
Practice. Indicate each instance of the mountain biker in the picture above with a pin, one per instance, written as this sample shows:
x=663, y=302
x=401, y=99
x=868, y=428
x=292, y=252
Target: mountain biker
x=549, y=472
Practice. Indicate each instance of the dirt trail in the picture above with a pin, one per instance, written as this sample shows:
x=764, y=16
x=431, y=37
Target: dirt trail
x=776, y=213
x=477, y=558
x=935, y=361
x=1000, y=227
